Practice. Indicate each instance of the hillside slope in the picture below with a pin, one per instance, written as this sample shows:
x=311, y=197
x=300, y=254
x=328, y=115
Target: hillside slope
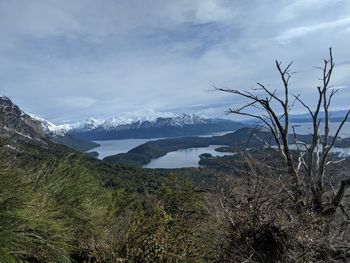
x=15, y=121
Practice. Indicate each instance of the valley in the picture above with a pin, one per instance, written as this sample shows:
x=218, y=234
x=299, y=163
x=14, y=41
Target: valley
x=162, y=131
x=126, y=189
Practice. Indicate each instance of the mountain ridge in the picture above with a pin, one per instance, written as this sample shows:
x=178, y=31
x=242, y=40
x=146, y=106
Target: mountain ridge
x=174, y=126
x=79, y=135
x=14, y=121
x=152, y=126
x=117, y=122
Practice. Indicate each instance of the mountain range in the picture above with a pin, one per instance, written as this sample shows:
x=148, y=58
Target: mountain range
x=79, y=135
x=156, y=127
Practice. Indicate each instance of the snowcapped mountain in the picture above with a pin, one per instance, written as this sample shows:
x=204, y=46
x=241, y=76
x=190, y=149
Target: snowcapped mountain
x=87, y=125
x=187, y=119
x=151, y=125
x=48, y=127
x=115, y=122
x=129, y=123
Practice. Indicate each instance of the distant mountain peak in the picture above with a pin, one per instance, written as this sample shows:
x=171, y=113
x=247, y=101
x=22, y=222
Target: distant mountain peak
x=123, y=121
x=152, y=126
x=49, y=128
x=115, y=122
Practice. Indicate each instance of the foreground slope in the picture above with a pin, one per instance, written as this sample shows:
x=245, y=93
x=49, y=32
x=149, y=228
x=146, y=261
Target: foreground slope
x=59, y=205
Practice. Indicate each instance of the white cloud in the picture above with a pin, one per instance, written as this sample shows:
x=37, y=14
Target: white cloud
x=298, y=8
x=75, y=59
x=93, y=20
x=304, y=30
x=75, y=101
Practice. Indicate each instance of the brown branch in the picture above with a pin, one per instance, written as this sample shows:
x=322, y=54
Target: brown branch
x=272, y=94
x=338, y=197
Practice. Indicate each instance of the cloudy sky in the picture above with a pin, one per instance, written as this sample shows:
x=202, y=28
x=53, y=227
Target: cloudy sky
x=73, y=59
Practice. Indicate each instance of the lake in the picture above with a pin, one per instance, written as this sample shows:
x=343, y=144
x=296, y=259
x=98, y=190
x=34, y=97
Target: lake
x=190, y=157
x=306, y=128
x=184, y=158
x=112, y=147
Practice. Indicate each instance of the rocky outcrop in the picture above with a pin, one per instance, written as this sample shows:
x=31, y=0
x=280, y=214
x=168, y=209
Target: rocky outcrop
x=12, y=118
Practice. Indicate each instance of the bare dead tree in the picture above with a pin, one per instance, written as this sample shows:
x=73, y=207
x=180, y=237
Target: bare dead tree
x=307, y=171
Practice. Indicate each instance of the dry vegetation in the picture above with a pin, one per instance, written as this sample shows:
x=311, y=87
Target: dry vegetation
x=295, y=211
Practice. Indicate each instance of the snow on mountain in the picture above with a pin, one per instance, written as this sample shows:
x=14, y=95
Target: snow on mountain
x=134, y=122
x=48, y=127
x=187, y=119
x=116, y=122
x=87, y=125
x=149, y=125
x=13, y=119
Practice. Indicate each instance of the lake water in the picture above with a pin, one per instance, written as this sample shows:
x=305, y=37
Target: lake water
x=112, y=147
x=190, y=157
x=184, y=158
x=341, y=152
x=306, y=128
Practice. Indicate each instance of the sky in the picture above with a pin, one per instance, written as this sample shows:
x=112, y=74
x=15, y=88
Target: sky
x=67, y=60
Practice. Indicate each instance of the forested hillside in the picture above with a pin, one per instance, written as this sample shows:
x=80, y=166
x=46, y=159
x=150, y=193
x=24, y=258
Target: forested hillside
x=68, y=207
